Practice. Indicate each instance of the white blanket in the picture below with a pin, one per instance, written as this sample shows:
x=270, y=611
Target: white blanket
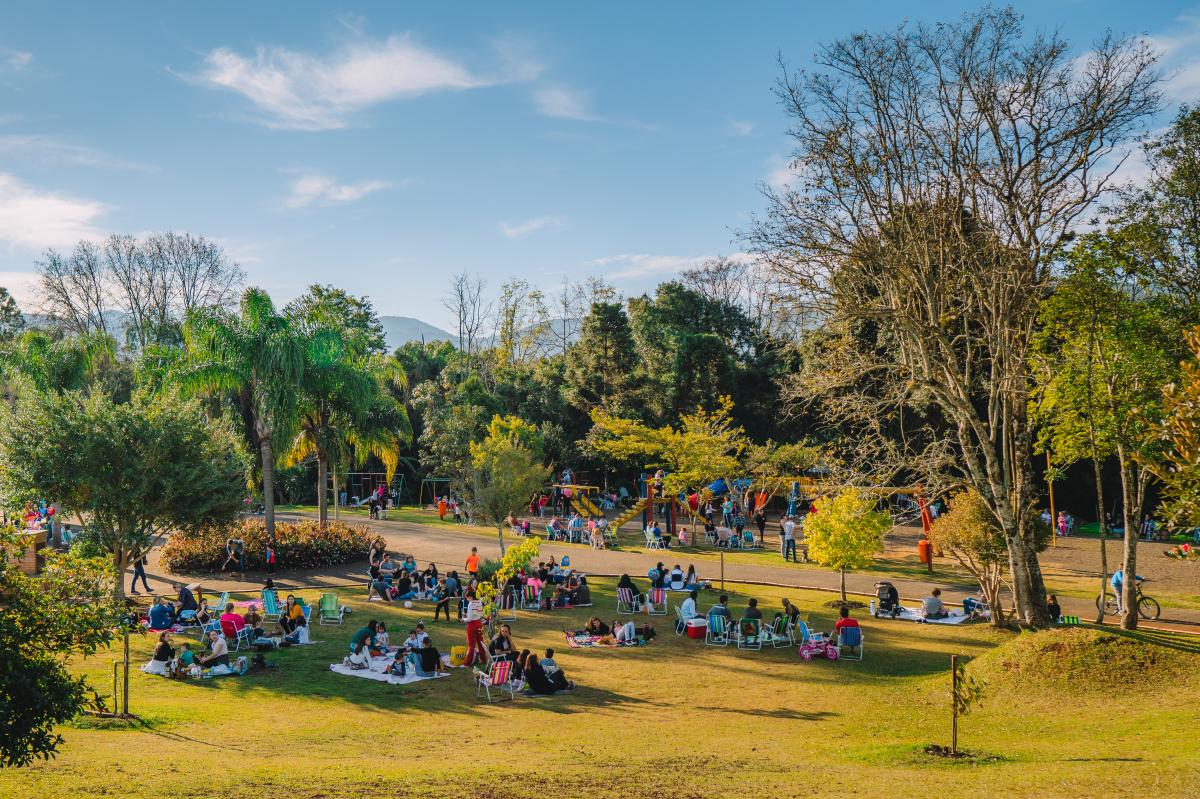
x=955, y=617
x=378, y=671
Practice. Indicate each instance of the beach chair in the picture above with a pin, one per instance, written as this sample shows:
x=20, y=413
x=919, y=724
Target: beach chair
x=680, y=621
x=850, y=643
x=498, y=676
x=627, y=601
x=777, y=634
x=718, y=631
x=610, y=537
x=652, y=541
x=748, y=634
x=506, y=604
x=748, y=540
x=656, y=602
x=210, y=626
x=531, y=598
x=330, y=611
x=222, y=601
x=270, y=604
x=235, y=637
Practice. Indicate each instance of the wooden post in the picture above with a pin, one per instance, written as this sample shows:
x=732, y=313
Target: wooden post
x=116, y=663
x=1053, y=518
x=722, y=570
x=125, y=693
x=954, y=704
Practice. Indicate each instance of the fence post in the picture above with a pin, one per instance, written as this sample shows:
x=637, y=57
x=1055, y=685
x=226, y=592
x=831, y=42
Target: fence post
x=954, y=704
x=125, y=694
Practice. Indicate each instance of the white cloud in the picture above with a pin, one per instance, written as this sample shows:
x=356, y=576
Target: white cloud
x=14, y=60
x=55, y=151
x=561, y=102
x=23, y=287
x=315, y=188
x=522, y=229
x=305, y=92
x=740, y=128
x=780, y=174
x=1180, y=51
x=35, y=219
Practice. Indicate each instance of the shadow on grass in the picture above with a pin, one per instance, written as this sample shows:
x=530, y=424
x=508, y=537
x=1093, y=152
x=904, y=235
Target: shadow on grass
x=783, y=713
x=1179, y=641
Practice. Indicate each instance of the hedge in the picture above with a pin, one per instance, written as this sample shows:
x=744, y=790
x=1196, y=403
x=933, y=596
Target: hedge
x=302, y=545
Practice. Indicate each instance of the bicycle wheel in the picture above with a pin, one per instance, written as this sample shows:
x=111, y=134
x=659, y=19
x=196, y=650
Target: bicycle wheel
x=1148, y=608
x=1109, y=605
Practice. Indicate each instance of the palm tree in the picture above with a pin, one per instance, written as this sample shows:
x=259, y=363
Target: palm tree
x=259, y=357
x=45, y=362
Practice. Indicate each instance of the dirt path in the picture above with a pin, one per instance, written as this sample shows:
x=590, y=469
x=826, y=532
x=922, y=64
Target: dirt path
x=449, y=546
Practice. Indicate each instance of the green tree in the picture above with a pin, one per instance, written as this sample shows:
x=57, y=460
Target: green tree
x=846, y=532
x=327, y=306
x=969, y=532
x=12, y=321
x=46, y=362
x=1105, y=350
x=506, y=469
x=258, y=357
x=66, y=611
x=601, y=364
x=132, y=471
x=1179, y=468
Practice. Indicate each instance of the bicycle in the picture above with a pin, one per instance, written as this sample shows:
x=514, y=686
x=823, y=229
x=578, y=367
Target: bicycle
x=1147, y=606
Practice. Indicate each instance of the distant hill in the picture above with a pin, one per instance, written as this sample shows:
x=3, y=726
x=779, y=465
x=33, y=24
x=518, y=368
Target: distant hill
x=400, y=329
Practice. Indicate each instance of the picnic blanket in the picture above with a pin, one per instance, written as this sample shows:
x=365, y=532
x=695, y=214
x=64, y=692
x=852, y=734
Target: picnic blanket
x=587, y=641
x=378, y=671
x=956, y=617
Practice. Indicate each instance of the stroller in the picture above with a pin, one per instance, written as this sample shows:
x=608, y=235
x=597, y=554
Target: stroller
x=887, y=600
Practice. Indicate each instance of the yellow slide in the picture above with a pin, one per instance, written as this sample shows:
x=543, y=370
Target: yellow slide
x=634, y=510
x=584, y=506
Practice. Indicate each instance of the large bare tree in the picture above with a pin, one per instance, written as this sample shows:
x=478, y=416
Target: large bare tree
x=936, y=169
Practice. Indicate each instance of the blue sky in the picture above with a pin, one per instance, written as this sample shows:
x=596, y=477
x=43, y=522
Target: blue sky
x=385, y=146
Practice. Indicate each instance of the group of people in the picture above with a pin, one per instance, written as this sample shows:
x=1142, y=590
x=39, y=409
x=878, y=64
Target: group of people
x=416, y=654
x=541, y=675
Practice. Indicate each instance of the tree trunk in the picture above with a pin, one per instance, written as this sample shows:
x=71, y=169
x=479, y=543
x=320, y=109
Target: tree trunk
x=337, y=505
x=1129, y=513
x=843, y=575
x=500, y=536
x=121, y=562
x=1103, y=545
x=268, y=483
x=322, y=487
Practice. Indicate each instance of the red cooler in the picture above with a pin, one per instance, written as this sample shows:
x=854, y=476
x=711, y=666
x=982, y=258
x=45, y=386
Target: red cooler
x=697, y=627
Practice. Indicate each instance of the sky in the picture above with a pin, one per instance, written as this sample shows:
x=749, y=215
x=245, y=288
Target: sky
x=384, y=147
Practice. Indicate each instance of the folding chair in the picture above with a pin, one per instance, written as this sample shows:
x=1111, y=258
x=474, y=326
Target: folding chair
x=851, y=639
x=627, y=601
x=235, y=636
x=222, y=601
x=506, y=604
x=680, y=621
x=656, y=602
x=270, y=603
x=749, y=634
x=777, y=634
x=718, y=631
x=331, y=610
x=208, y=627
x=652, y=541
x=531, y=598
x=610, y=536
x=498, y=676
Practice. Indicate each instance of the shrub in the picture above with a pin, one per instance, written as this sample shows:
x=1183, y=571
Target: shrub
x=300, y=545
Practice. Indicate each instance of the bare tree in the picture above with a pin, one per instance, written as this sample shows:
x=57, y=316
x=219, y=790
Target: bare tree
x=202, y=276
x=73, y=289
x=937, y=168
x=472, y=312
x=140, y=286
x=521, y=322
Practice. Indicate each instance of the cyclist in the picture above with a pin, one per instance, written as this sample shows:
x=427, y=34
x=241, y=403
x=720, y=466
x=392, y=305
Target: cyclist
x=1117, y=582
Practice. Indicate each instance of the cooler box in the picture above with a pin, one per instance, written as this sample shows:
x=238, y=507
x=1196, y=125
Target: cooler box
x=697, y=628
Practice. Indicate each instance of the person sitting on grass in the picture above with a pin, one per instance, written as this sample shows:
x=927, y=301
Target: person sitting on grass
x=185, y=660
x=359, y=657
x=537, y=681
x=675, y=580
x=387, y=567
x=582, y=595
x=382, y=640
x=429, y=660
x=379, y=584
x=203, y=616
x=164, y=653
x=624, y=631
x=364, y=634
x=1053, y=608
x=404, y=588
x=501, y=646
x=691, y=582
x=842, y=623
x=218, y=651
x=288, y=615
x=562, y=597
x=162, y=615
x=934, y=609
x=597, y=627
x=548, y=664
x=518, y=668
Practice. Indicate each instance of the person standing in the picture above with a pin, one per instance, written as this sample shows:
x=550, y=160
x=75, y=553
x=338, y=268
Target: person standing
x=139, y=571
x=473, y=563
x=474, y=618
x=789, y=538
x=760, y=521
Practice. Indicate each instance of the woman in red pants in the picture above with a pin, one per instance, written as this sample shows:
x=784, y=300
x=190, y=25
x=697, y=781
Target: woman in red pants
x=475, y=629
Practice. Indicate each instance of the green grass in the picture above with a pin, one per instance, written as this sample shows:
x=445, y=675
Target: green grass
x=674, y=719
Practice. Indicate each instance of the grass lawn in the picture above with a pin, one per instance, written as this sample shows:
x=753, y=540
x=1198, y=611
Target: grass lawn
x=674, y=719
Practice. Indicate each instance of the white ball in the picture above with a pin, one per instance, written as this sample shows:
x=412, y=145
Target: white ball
x=408, y=604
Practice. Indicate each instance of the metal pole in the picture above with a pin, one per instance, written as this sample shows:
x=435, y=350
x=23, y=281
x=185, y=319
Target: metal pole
x=125, y=693
x=722, y=570
x=954, y=704
x=1053, y=518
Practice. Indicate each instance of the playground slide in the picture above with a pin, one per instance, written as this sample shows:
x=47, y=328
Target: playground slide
x=634, y=510
x=585, y=507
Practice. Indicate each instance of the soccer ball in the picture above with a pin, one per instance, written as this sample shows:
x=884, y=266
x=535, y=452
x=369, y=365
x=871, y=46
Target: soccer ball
x=408, y=604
